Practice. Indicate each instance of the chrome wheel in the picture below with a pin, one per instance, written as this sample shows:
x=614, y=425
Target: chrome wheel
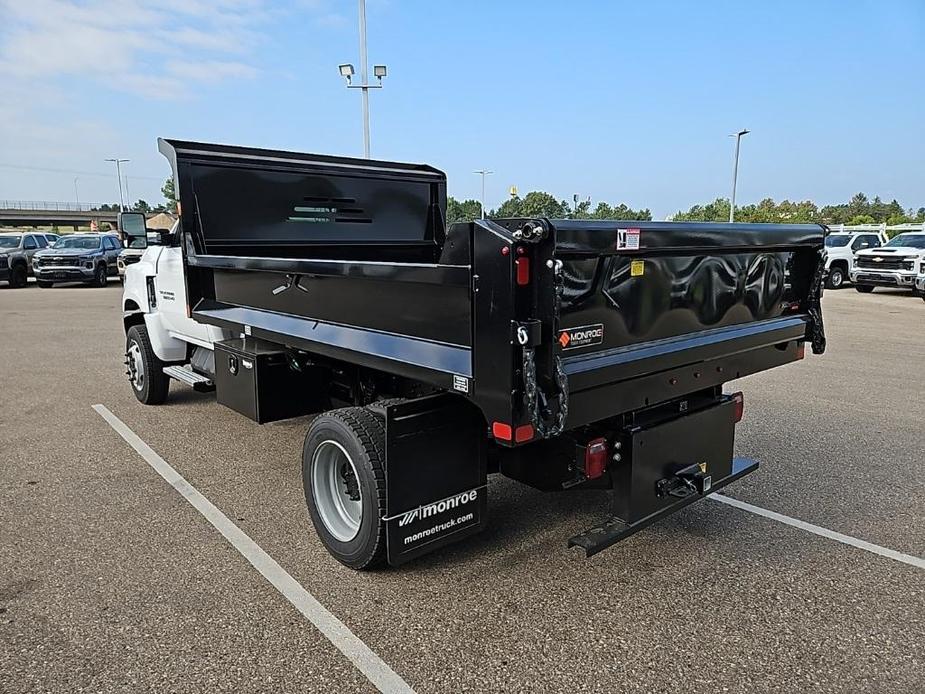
x=336, y=488
x=136, y=366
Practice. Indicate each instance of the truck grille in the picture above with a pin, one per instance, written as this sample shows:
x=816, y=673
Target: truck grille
x=130, y=259
x=884, y=263
x=59, y=262
x=3, y=261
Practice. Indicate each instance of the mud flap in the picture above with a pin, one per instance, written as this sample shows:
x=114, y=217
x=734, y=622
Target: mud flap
x=435, y=475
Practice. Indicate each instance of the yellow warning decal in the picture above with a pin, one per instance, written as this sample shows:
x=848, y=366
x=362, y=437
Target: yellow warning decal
x=637, y=268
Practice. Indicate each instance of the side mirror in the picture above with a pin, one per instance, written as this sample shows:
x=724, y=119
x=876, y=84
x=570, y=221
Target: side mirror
x=132, y=226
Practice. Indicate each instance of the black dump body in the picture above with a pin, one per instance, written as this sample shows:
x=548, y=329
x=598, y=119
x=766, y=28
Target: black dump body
x=547, y=327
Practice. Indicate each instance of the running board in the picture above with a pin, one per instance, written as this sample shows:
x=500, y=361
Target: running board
x=613, y=530
x=197, y=382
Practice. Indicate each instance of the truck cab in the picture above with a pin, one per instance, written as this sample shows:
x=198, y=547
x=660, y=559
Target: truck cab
x=897, y=264
x=841, y=248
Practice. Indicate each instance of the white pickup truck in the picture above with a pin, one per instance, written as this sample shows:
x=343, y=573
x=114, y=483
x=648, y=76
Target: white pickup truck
x=841, y=248
x=897, y=264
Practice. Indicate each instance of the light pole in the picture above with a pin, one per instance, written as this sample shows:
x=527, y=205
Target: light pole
x=76, y=193
x=483, y=173
x=119, y=163
x=735, y=173
x=379, y=71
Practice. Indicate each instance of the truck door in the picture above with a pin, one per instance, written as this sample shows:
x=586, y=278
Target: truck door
x=170, y=284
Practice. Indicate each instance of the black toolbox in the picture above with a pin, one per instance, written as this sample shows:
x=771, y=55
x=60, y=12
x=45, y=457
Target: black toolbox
x=254, y=378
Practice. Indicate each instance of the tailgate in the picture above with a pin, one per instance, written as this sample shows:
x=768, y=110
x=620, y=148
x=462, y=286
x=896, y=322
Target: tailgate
x=644, y=301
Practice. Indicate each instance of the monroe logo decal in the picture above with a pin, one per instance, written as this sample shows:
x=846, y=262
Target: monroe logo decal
x=437, y=507
x=583, y=336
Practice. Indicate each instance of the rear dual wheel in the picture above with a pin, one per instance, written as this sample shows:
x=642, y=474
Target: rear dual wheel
x=343, y=476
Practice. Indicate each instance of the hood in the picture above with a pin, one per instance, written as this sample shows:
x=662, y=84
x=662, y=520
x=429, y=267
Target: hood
x=65, y=252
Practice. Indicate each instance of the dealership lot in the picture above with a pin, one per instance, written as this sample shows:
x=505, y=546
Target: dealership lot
x=109, y=580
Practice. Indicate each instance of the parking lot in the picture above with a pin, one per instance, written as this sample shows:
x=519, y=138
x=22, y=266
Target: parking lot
x=111, y=581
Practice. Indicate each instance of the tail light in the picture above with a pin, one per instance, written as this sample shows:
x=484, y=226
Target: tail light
x=595, y=458
x=523, y=271
x=801, y=350
x=523, y=433
x=502, y=431
x=739, y=399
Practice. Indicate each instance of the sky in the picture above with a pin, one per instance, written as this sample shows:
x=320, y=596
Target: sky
x=618, y=101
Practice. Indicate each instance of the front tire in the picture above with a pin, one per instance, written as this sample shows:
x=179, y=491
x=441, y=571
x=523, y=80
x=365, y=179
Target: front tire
x=145, y=371
x=864, y=288
x=343, y=476
x=19, y=276
x=836, y=278
x=100, y=277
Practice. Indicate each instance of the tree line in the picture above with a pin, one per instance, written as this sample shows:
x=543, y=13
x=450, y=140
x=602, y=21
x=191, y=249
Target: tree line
x=859, y=210
x=541, y=204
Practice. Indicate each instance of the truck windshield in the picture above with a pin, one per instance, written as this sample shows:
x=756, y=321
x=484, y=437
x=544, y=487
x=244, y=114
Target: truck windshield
x=908, y=241
x=836, y=241
x=9, y=242
x=87, y=243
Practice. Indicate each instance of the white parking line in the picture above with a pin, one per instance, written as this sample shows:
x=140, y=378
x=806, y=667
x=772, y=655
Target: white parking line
x=371, y=665
x=822, y=532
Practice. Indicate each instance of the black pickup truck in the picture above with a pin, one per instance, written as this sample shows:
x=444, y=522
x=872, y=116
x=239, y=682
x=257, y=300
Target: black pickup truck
x=564, y=354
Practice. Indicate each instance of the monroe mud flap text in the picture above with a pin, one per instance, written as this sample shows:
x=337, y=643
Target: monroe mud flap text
x=435, y=475
x=664, y=467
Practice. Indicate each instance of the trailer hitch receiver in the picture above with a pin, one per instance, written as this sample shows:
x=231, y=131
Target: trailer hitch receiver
x=690, y=480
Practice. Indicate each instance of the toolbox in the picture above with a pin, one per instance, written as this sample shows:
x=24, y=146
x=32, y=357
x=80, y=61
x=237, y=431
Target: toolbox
x=254, y=378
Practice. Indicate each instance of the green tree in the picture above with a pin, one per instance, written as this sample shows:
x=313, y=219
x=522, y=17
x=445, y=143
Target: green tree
x=462, y=211
x=170, y=195
x=862, y=219
x=141, y=206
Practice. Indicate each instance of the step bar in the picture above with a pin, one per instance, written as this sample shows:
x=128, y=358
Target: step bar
x=198, y=382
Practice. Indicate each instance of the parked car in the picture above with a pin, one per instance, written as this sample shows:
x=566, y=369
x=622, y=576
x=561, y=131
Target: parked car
x=841, y=248
x=90, y=258
x=16, y=254
x=896, y=264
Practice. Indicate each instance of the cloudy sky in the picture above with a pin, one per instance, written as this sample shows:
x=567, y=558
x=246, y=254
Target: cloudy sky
x=620, y=101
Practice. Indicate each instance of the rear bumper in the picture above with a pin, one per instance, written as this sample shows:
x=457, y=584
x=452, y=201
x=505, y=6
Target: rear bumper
x=614, y=529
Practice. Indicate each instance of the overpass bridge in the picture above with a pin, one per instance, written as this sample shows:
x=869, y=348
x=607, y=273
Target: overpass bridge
x=42, y=213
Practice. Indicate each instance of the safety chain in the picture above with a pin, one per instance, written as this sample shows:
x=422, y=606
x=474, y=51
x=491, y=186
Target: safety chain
x=532, y=393
x=814, y=306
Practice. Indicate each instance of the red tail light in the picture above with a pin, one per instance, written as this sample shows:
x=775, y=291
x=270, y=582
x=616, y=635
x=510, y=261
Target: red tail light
x=523, y=433
x=595, y=458
x=502, y=431
x=523, y=271
x=739, y=399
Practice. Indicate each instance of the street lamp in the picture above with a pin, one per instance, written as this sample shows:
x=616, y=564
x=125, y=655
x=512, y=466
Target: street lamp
x=119, y=163
x=735, y=173
x=380, y=71
x=483, y=173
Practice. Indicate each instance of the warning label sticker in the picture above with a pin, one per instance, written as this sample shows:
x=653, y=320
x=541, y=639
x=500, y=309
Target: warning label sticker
x=628, y=239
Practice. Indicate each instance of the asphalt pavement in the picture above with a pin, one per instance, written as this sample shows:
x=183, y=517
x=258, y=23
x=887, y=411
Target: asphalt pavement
x=111, y=581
